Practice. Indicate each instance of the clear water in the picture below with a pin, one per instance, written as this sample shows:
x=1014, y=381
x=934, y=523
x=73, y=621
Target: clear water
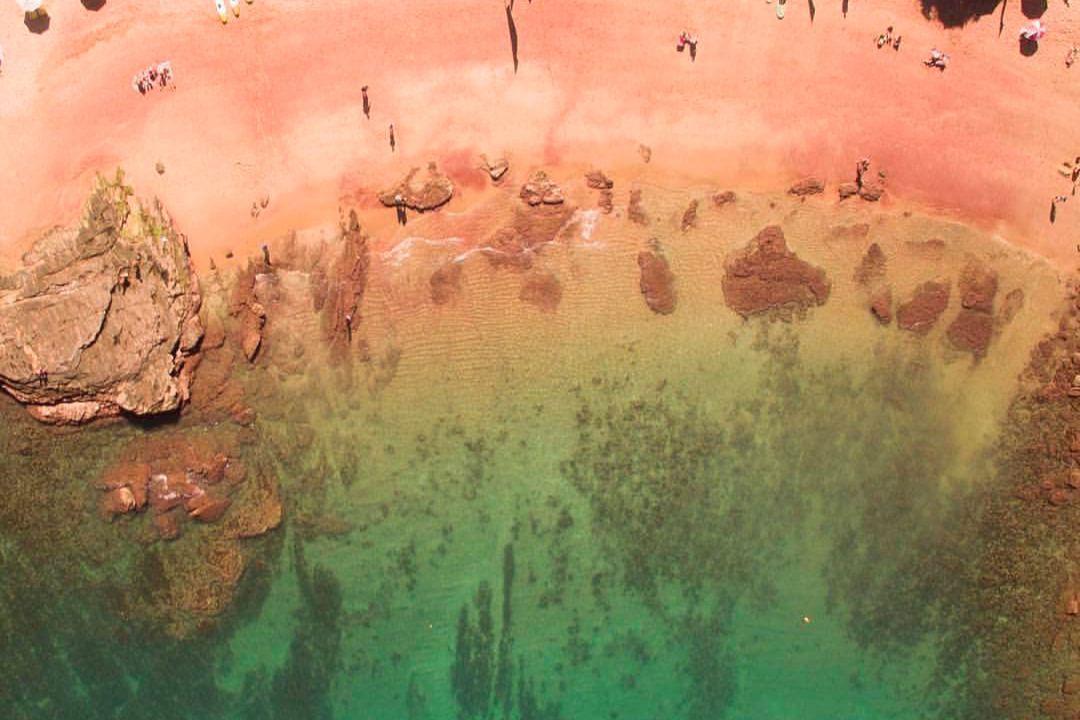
x=596, y=513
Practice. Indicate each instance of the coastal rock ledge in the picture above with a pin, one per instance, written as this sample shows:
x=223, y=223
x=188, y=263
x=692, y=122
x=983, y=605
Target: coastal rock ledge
x=102, y=320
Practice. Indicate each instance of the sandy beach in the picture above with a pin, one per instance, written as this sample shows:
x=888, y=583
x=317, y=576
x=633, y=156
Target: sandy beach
x=269, y=104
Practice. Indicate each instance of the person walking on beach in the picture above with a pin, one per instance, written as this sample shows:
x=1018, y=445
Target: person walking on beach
x=266, y=254
x=393, y=140
x=367, y=103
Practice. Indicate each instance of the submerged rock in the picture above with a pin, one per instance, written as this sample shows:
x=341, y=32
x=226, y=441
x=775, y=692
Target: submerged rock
x=689, y=218
x=921, y=312
x=766, y=275
x=434, y=192
x=543, y=290
x=973, y=328
x=634, y=210
x=657, y=282
x=597, y=180
x=103, y=319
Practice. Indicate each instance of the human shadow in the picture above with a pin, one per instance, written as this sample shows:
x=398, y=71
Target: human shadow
x=813, y=10
x=513, y=34
x=94, y=5
x=1033, y=8
x=36, y=24
x=956, y=13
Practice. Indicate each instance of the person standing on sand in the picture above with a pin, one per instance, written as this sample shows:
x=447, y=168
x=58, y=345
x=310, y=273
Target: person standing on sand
x=367, y=103
x=393, y=140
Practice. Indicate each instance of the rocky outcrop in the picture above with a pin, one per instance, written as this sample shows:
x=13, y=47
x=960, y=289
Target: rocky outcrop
x=541, y=189
x=102, y=319
x=657, y=282
x=177, y=483
x=433, y=192
x=347, y=284
x=767, y=276
x=807, y=186
x=922, y=310
x=871, y=275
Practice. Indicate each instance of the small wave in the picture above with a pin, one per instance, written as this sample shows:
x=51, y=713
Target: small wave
x=400, y=253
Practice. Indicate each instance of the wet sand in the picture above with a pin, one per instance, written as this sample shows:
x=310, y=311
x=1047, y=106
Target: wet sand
x=255, y=111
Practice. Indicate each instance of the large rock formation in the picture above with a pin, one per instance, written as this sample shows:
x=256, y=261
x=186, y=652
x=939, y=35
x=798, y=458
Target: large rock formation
x=102, y=319
x=434, y=192
x=766, y=276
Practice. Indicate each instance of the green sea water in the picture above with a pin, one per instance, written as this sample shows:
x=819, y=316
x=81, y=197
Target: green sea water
x=593, y=514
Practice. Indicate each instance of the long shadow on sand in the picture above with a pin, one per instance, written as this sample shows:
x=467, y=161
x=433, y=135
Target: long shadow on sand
x=955, y=13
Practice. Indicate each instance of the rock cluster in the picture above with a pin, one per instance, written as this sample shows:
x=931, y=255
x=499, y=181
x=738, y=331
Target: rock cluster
x=871, y=274
x=102, y=319
x=766, y=275
x=973, y=327
x=597, y=180
x=541, y=189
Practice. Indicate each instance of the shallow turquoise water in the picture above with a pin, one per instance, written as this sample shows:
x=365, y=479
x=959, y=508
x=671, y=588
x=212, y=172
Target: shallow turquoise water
x=633, y=546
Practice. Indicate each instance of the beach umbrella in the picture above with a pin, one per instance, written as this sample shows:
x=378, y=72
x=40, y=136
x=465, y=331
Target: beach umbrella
x=28, y=5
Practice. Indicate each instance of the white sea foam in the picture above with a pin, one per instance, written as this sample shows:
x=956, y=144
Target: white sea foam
x=400, y=253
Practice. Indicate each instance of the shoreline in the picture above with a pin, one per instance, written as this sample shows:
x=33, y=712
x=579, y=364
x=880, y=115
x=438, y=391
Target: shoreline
x=272, y=130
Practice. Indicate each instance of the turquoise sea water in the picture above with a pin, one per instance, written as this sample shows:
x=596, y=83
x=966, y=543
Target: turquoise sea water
x=678, y=523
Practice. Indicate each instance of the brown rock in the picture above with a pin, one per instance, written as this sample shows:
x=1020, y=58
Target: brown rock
x=657, y=282
x=721, y=199
x=243, y=415
x=689, y=218
x=167, y=525
x=807, y=186
x=496, y=169
x=434, y=192
x=766, y=275
x=971, y=331
x=533, y=227
x=872, y=267
x=634, y=210
x=846, y=190
x=871, y=192
x=252, y=339
x=1074, y=478
x=117, y=502
x=924, y=308
x=210, y=511
x=101, y=319
x=598, y=180
x=215, y=469
x=856, y=231
x=1014, y=302
x=235, y=472
x=881, y=306
x=606, y=201
x=543, y=290
x=541, y=189
x=163, y=493
x=645, y=151
x=1070, y=685
x=128, y=474
x=1058, y=498
x=978, y=285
